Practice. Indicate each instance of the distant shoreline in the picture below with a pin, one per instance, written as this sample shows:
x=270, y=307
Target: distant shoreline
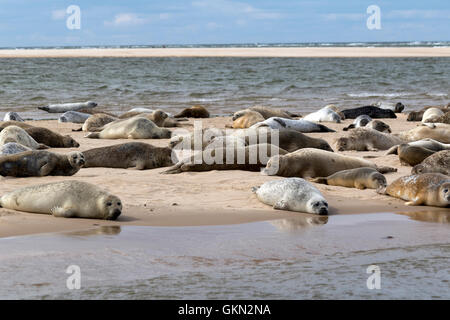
x=309, y=52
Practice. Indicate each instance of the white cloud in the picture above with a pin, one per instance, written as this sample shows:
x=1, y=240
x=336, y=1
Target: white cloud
x=235, y=8
x=58, y=14
x=343, y=16
x=126, y=19
x=419, y=14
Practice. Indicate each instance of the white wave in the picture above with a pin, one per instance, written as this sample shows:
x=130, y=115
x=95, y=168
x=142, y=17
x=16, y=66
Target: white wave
x=437, y=94
x=375, y=94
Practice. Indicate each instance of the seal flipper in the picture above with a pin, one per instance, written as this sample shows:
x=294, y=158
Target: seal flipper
x=386, y=169
x=254, y=189
x=281, y=205
x=352, y=126
x=174, y=169
x=62, y=212
x=325, y=128
x=392, y=150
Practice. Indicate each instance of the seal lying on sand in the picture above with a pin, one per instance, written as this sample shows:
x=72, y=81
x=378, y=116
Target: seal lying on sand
x=431, y=114
x=133, y=128
x=293, y=194
x=250, y=158
x=267, y=112
x=41, y=163
x=418, y=115
x=360, y=178
x=51, y=139
x=324, y=115
x=12, y=116
x=360, y=121
x=438, y=162
x=196, y=111
x=19, y=135
x=289, y=140
x=397, y=108
x=365, y=139
x=67, y=199
x=63, y=107
x=298, y=125
x=435, y=131
x=245, y=119
x=136, y=155
x=312, y=163
x=427, y=143
x=445, y=118
x=74, y=117
x=96, y=122
x=379, y=126
x=371, y=111
x=412, y=155
x=429, y=189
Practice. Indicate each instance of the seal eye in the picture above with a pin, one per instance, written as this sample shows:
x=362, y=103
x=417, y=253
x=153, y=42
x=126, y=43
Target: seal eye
x=445, y=190
x=109, y=204
x=119, y=204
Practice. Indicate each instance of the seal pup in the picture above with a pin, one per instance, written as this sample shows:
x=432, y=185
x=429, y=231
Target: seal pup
x=51, y=139
x=366, y=139
x=312, y=163
x=379, y=126
x=133, y=128
x=73, y=117
x=360, y=121
x=293, y=194
x=326, y=114
x=63, y=107
x=12, y=148
x=418, y=115
x=359, y=178
x=435, y=131
x=245, y=119
x=412, y=155
x=250, y=158
x=68, y=199
x=136, y=155
x=397, y=108
x=267, y=112
x=96, y=122
x=40, y=164
x=427, y=143
x=371, y=111
x=19, y=135
x=431, y=114
x=445, y=118
x=429, y=189
x=196, y=111
x=12, y=116
x=298, y=125
x=438, y=162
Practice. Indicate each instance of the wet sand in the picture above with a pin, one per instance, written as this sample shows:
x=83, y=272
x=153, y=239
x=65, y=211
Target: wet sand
x=195, y=198
x=303, y=257
x=329, y=52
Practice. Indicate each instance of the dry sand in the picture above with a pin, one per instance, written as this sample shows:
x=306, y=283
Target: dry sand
x=230, y=52
x=195, y=198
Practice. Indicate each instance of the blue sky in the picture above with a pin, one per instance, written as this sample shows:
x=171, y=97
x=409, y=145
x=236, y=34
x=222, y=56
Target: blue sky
x=139, y=22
